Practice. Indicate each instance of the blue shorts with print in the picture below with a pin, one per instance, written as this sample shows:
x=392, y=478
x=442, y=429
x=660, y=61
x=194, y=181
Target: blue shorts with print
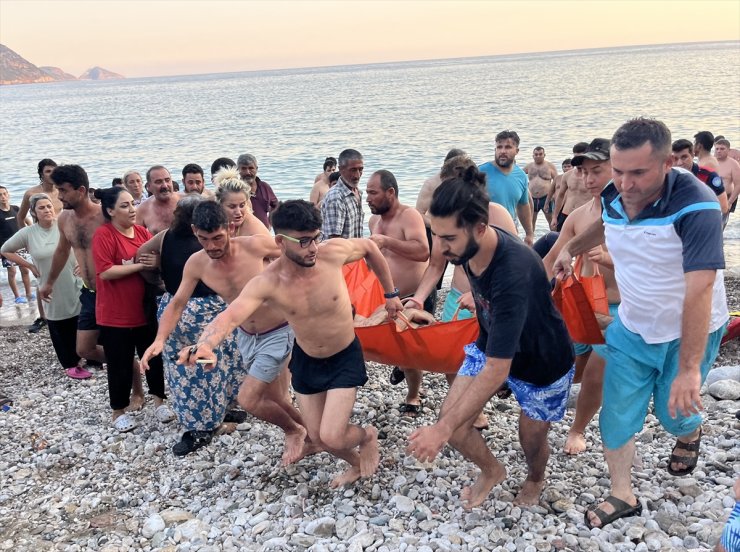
x=545, y=404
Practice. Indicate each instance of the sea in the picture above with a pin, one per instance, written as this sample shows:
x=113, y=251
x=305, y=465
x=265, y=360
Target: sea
x=402, y=116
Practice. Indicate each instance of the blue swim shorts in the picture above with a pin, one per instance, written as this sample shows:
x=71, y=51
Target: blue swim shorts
x=730, y=538
x=450, y=306
x=637, y=371
x=545, y=404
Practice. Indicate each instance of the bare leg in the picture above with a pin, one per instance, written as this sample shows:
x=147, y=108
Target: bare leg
x=87, y=345
x=11, y=281
x=40, y=306
x=589, y=402
x=620, y=464
x=137, y=390
x=267, y=402
x=26, y=278
x=413, y=380
x=533, y=438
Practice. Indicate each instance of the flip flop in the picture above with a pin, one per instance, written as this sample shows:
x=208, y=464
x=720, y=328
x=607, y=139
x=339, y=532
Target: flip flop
x=5, y=401
x=689, y=461
x=78, y=373
x=410, y=410
x=124, y=423
x=621, y=509
x=164, y=413
x=191, y=441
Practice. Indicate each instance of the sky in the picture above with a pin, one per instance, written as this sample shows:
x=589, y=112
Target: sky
x=140, y=38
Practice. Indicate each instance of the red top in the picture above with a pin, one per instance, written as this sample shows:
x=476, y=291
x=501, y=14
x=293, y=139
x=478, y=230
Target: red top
x=120, y=302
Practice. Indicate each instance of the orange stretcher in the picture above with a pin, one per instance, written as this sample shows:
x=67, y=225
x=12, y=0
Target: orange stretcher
x=434, y=348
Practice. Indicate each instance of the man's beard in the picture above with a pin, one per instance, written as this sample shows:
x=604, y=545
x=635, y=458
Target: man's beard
x=471, y=249
x=504, y=163
x=300, y=260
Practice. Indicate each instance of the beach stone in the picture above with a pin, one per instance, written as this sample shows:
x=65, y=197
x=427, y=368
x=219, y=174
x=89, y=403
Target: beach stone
x=322, y=527
x=728, y=390
x=691, y=542
x=175, y=515
x=364, y=539
x=345, y=528
x=722, y=373
x=301, y=539
x=403, y=504
x=152, y=525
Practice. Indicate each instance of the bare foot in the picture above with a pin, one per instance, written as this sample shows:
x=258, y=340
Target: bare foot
x=475, y=494
x=530, y=493
x=481, y=422
x=226, y=428
x=575, y=443
x=345, y=478
x=369, y=453
x=294, y=445
x=136, y=403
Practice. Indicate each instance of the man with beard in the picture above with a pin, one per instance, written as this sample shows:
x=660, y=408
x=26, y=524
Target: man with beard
x=341, y=209
x=261, y=195
x=306, y=286
x=523, y=342
x=265, y=340
x=45, y=186
x=157, y=212
x=399, y=232
x=507, y=184
x=194, y=181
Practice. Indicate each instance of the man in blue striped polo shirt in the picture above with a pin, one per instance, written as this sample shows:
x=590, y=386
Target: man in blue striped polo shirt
x=663, y=229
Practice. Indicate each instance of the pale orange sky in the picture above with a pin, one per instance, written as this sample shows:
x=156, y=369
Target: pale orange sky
x=149, y=38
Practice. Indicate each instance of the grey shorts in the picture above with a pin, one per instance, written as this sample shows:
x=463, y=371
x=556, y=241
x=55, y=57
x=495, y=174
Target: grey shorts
x=264, y=354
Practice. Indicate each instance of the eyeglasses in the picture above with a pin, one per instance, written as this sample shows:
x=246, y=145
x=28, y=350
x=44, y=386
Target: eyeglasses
x=305, y=242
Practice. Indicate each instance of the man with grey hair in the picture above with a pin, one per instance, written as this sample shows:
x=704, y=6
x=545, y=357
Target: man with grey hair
x=341, y=210
x=262, y=197
x=158, y=211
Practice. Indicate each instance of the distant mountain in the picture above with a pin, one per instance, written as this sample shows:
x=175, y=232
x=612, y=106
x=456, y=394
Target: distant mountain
x=57, y=73
x=16, y=70
x=98, y=73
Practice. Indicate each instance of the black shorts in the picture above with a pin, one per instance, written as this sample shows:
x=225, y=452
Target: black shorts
x=7, y=263
x=561, y=220
x=342, y=370
x=429, y=240
x=539, y=203
x=86, y=319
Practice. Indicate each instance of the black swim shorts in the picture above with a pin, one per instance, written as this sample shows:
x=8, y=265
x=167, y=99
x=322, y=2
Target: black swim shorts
x=539, y=203
x=86, y=319
x=341, y=370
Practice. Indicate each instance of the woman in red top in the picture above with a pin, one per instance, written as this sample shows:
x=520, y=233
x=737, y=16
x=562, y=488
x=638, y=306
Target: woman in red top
x=119, y=305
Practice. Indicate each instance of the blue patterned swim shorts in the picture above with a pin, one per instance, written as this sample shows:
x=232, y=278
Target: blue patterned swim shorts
x=545, y=404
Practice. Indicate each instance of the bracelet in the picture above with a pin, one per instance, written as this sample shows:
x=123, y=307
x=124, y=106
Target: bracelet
x=392, y=294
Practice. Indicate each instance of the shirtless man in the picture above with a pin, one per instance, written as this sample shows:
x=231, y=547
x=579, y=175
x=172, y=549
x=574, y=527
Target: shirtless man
x=306, y=286
x=321, y=183
x=572, y=193
x=193, y=180
x=133, y=183
x=728, y=170
x=597, y=172
x=399, y=233
x=225, y=265
x=542, y=176
x=45, y=186
x=157, y=212
x=556, y=184
x=703, y=142
x=733, y=153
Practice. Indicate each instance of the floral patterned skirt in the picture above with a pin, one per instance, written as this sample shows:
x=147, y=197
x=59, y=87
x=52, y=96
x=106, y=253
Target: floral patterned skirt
x=198, y=396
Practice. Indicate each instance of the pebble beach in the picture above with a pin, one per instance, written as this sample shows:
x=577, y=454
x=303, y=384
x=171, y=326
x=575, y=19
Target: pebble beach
x=68, y=481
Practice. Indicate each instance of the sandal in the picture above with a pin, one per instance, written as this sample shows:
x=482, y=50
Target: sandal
x=621, y=509
x=124, y=423
x=164, y=413
x=410, y=410
x=235, y=417
x=688, y=461
x=192, y=441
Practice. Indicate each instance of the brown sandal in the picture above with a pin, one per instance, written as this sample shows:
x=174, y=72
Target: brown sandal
x=689, y=461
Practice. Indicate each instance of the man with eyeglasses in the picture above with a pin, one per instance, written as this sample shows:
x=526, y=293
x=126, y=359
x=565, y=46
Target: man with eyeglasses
x=306, y=286
x=265, y=340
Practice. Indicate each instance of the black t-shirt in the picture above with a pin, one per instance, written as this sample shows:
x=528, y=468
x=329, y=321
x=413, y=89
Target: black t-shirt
x=8, y=223
x=516, y=315
x=176, y=250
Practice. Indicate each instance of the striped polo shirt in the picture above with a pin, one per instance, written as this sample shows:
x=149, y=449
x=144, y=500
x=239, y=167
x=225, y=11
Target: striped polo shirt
x=680, y=232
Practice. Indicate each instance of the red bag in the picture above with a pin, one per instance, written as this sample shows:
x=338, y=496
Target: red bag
x=594, y=286
x=365, y=291
x=434, y=348
x=575, y=308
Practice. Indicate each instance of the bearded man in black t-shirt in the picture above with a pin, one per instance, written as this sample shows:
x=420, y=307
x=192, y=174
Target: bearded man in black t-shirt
x=523, y=342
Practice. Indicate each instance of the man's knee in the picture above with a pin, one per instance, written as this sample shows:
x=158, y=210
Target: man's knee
x=333, y=437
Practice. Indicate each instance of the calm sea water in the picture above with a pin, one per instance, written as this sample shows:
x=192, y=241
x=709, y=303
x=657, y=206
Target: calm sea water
x=403, y=117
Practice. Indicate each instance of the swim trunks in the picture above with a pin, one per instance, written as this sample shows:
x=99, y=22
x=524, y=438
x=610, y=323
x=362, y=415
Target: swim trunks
x=264, y=354
x=342, y=370
x=539, y=203
x=730, y=538
x=545, y=404
x=86, y=319
x=561, y=220
x=450, y=306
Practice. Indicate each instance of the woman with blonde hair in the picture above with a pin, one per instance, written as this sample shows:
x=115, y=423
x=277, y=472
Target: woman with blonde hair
x=233, y=195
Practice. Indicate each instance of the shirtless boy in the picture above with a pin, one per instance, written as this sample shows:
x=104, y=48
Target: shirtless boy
x=541, y=175
x=597, y=173
x=225, y=265
x=306, y=286
x=398, y=231
x=45, y=186
x=571, y=194
x=321, y=183
x=157, y=212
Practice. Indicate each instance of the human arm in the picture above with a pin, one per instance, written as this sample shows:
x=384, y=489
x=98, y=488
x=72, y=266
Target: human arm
x=315, y=194
x=566, y=234
x=586, y=240
x=697, y=308
x=561, y=189
x=359, y=248
x=735, y=178
x=14, y=243
x=414, y=245
x=21, y=217
x=173, y=311
x=424, y=199
x=524, y=214
x=59, y=260
x=104, y=253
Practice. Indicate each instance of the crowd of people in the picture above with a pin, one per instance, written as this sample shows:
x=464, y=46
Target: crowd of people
x=234, y=298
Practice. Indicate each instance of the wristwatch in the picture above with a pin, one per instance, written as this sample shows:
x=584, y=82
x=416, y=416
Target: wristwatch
x=392, y=294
